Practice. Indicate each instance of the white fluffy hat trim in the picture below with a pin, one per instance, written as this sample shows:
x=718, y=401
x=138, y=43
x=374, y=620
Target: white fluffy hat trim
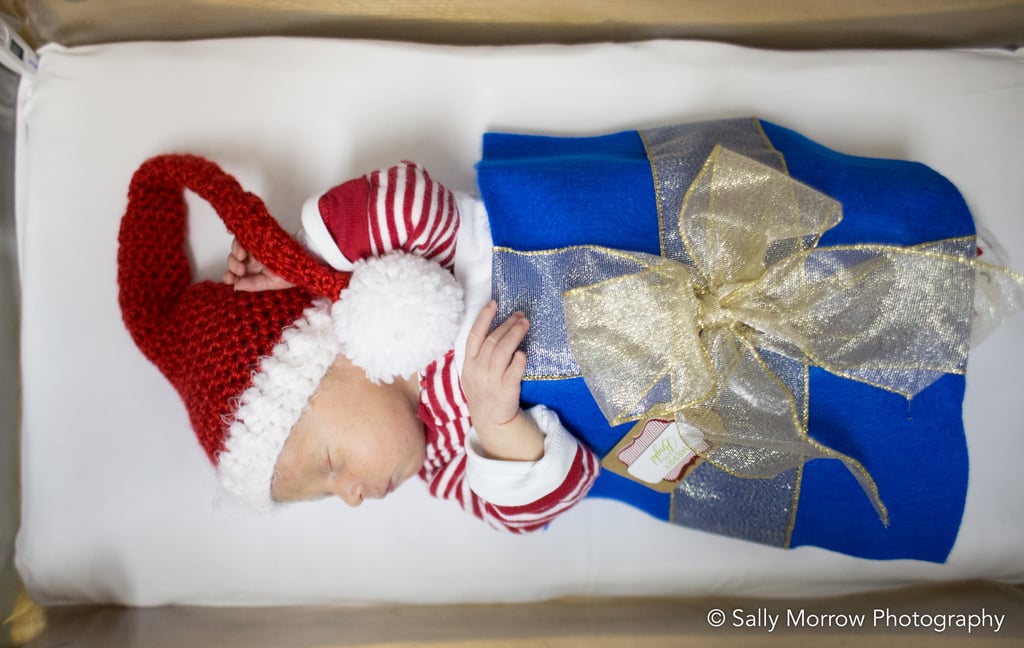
x=399, y=314
x=282, y=387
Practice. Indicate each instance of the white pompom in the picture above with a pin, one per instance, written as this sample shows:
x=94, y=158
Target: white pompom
x=399, y=313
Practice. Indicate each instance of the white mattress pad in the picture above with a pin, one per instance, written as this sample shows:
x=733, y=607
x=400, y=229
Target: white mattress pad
x=118, y=499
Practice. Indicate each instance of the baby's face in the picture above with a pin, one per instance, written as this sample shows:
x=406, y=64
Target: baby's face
x=356, y=440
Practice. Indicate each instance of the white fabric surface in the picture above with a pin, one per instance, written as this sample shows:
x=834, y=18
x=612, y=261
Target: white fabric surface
x=118, y=500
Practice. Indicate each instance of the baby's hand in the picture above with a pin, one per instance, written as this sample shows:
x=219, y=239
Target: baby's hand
x=245, y=273
x=491, y=378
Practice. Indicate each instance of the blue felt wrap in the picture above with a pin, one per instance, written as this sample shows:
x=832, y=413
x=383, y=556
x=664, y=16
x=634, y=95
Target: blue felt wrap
x=549, y=192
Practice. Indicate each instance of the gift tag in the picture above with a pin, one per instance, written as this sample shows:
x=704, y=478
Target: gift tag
x=658, y=453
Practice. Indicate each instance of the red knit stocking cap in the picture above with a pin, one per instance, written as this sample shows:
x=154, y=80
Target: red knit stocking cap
x=244, y=363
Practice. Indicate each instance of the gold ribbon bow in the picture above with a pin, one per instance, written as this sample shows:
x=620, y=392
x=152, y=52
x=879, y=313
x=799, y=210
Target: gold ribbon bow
x=724, y=343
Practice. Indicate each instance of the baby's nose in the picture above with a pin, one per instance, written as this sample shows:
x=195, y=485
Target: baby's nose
x=352, y=499
x=351, y=494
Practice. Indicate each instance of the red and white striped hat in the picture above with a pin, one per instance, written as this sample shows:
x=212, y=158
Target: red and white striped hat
x=247, y=363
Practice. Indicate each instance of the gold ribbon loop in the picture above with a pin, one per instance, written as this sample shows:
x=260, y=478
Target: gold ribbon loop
x=611, y=325
x=725, y=344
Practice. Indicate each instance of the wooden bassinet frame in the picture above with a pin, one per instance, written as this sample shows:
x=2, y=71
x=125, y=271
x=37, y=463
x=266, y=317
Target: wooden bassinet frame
x=802, y=24
x=792, y=24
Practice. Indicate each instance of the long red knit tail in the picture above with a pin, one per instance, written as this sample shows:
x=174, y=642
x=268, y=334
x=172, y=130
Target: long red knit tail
x=153, y=269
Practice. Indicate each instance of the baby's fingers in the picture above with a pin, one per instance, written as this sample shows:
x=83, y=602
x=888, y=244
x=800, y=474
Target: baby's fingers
x=495, y=350
x=478, y=332
x=235, y=266
x=237, y=251
x=515, y=371
x=507, y=338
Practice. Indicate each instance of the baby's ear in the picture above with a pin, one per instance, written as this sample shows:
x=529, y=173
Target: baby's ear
x=399, y=314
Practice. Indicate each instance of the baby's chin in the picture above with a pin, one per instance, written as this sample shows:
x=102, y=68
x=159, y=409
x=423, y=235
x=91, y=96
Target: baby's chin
x=416, y=468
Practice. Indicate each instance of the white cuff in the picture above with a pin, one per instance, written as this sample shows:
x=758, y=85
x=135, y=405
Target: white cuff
x=317, y=238
x=517, y=483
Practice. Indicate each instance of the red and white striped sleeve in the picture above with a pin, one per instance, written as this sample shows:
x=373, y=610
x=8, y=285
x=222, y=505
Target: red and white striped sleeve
x=399, y=208
x=518, y=497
